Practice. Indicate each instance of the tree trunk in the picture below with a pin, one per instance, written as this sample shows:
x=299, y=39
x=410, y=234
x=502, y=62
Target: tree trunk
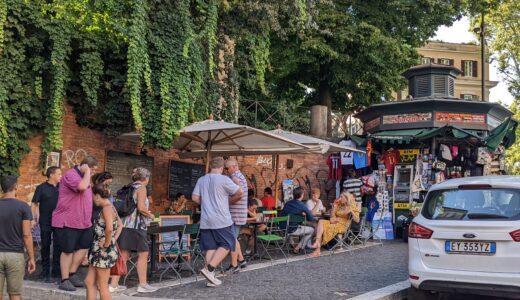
x=325, y=99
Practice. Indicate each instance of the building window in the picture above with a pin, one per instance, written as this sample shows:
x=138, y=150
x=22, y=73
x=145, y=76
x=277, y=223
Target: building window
x=468, y=97
x=469, y=68
x=426, y=60
x=446, y=61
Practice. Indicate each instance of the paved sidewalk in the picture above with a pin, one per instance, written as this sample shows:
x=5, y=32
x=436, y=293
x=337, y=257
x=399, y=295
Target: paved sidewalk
x=338, y=276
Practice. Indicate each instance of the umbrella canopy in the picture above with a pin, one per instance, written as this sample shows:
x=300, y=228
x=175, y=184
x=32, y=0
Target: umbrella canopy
x=225, y=139
x=503, y=134
x=316, y=145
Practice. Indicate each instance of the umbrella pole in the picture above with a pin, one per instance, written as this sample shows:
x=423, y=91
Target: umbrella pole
x=277, y=166
x=208, y=152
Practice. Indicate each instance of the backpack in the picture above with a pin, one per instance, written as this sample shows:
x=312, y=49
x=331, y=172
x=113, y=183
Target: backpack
x=124, y=201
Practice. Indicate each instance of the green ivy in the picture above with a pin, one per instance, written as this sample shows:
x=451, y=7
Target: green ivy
x=260, y=55
x=138, y=59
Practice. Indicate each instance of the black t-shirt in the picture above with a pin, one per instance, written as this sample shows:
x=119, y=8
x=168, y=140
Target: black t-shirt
x=12, y=214
x=46, y=195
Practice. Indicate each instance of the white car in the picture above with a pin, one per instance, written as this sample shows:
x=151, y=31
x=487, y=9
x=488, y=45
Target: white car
x=467, y=239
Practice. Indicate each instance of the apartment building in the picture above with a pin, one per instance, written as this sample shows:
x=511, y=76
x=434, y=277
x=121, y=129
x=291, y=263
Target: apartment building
x=465, y=57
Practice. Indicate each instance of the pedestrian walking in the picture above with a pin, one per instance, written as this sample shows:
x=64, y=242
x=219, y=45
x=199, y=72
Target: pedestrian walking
x=72, y=219
x=214, y=192
x=103, y=253
x=133, y=237
x=15, y=235
x=44, y=202
x=238, y=215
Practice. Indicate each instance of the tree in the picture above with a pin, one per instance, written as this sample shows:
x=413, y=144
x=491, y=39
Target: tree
x=503, y=32
x=352, y=53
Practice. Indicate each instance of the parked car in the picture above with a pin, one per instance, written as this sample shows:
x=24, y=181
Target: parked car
x=466, y=239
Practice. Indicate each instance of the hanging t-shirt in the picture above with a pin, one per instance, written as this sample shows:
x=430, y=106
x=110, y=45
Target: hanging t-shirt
x=346, y=157
x=372, y=207
x=391, y=158
x=334, y=163
x=360, y=160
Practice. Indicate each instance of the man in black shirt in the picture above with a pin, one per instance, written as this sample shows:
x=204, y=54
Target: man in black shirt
x=45, y=200
x=15, y=233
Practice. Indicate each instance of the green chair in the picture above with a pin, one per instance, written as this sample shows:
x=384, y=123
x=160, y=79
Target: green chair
x=295, y=221
x=276, y=238
x=261, y=209
x=187, y=212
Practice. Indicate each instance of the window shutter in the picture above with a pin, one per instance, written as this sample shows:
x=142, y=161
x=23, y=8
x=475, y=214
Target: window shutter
x=439, y=61
x=461, y=96
x=475, y=68
x=462, y=67
x=451, y=62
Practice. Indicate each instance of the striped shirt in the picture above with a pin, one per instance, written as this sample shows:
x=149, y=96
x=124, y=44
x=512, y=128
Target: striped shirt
x=353, y=186
x=239, y=209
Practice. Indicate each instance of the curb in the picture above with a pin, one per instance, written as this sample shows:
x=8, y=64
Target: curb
x=396, y=291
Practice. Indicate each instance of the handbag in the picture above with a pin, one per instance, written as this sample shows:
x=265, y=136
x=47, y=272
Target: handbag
x=120, y=267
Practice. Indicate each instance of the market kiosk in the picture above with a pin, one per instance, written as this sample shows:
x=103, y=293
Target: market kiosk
x=433, y=136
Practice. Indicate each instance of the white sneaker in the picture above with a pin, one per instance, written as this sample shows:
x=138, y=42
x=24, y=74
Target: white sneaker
x=116, y=289
x=209, y=284
x=146, y=289
x=210, y=276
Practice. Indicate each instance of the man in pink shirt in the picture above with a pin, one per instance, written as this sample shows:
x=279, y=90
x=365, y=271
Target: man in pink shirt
x=72, y=219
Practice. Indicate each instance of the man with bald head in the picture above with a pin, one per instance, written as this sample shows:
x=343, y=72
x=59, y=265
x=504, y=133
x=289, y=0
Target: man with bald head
x=238, y=214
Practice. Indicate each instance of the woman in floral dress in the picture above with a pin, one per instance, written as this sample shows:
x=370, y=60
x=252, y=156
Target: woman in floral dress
x=103, y=252
x=345, y=210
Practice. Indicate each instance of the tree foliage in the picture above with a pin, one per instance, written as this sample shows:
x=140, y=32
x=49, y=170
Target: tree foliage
x=503, y=31
x=155, y=66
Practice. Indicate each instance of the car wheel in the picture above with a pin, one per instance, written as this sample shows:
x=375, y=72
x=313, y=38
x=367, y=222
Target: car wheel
x=418, y=294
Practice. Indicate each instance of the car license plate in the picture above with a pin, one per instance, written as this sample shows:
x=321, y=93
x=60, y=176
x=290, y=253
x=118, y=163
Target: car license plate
x=473, y=247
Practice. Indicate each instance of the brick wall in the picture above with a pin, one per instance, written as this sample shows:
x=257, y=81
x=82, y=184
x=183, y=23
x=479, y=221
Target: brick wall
x=308, y=170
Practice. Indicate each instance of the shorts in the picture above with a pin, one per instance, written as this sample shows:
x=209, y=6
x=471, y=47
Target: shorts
x=133, y=240
x=236, y=230
x=72, y=239
x=12, y=270
x=212, y=239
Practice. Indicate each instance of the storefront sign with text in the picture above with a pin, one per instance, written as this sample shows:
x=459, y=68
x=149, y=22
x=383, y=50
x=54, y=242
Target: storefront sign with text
x=460, y=118
x=407, y=118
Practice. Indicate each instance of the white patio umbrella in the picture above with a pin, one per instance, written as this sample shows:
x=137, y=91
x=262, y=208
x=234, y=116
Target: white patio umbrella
x=206, y=138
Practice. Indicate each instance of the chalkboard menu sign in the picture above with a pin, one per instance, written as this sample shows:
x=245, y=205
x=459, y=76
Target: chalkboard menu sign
x=183, y=178
x=121, y=164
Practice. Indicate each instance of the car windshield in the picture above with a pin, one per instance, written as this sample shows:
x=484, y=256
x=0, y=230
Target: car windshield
x=482, y=204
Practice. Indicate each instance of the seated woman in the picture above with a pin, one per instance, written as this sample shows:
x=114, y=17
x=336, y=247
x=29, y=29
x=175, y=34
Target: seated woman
x=344, y=211
x=178, y=205
x=252, y=216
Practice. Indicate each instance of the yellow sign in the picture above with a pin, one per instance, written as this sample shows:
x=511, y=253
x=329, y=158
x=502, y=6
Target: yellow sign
x=398, y=205
x=408, y=156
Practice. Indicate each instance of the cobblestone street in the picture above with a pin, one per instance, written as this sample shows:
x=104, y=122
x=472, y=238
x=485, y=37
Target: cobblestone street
x=342, y=275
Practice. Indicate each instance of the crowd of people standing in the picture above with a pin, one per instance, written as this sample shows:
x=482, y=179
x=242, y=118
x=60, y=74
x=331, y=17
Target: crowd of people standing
x=78, y=218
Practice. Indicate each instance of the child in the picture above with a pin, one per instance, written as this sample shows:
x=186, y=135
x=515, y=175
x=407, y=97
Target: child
x=252, y=216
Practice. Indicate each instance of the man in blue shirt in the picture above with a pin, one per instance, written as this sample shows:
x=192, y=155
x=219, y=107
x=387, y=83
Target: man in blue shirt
x=296, y=207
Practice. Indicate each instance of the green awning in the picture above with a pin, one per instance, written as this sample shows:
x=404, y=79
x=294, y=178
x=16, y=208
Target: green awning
x=504, y=133
x=456, y=132
x=396, y=136
x=360, y=141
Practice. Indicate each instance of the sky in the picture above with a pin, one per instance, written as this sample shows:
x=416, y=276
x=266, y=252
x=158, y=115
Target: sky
x=459, y=33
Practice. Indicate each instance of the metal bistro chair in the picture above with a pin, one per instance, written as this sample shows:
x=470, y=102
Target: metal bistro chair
x=358, y=236
x=170, y=249
x=276, y=238
x=193, y=230
x=342, y=239
x=187, y=212
x=298, y=220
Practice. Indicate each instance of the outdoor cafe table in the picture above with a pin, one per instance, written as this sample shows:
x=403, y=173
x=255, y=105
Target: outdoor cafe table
x=154, y=230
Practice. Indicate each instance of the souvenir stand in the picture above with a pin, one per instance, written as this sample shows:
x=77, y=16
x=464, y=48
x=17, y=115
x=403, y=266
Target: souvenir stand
x=437, y=137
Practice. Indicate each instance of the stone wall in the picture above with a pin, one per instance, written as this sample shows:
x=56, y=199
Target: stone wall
x=309, y=171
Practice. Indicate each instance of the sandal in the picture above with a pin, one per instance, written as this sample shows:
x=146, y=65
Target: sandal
x=296, y=250
x=315, y=254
